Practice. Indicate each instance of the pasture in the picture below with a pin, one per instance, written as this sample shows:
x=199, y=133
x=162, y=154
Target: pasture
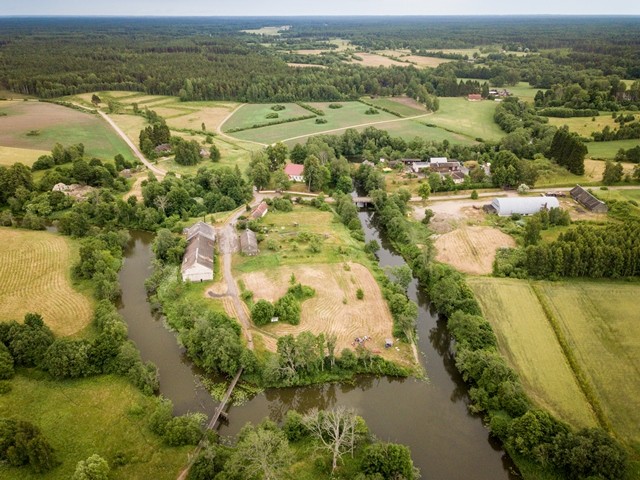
x=529, y=344
x=256, y=113
x=471, y=119
x=35, y=276
x=472, y=249
x=583, y=126
x=403, y=106
x=374, y=60
x=417, y=60
x=608, y=150
x=103, y=415
x=39, y=126
x=11, y=155
x=600, y=323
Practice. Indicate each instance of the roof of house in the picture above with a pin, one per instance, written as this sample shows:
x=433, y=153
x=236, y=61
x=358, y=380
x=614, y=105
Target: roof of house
x=523, y=205
x=419, y=165
x=434, y=160
x=260, y=210
x=199, y=251
x=163, y=147
x=474, y=96
x=585, y=198
x=248, y=241
x=200, y=228
x=294, y=169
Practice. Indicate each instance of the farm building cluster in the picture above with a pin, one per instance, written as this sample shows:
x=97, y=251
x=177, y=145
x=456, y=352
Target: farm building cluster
x=441, y=165
x=197, y=263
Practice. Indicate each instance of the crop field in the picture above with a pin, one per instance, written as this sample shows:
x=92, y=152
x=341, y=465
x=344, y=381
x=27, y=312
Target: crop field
x=417, y=60
x=35, y=277
x=53, y=124
x=472, y=249
x=471, y=119
x=527, y=340
x=601, y=322
x=403, y=106
x=11, y=155
x=101, y=415
x=255, y=113
x=373, y=60
x=608, y=150
x=584, y=125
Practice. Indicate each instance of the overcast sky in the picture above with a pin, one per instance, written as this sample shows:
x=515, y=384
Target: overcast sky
x=317, y=7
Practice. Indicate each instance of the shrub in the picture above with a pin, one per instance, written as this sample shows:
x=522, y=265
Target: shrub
x=278, y=108
x=93, y=468
x=371, y=111
x=389, y=460
x=321, y=120
x=474, y=195
x=6, y=363
x=335, y=106
x=67, y=358
x=287, y=309
x=359, y=294
x=262, y=312
x=271, y=115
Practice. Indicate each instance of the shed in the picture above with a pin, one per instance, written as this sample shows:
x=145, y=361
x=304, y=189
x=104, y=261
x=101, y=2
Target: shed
x=587, y=200
x=249, y=242
x=523, y=205
x=260, y=211
x=197, y=263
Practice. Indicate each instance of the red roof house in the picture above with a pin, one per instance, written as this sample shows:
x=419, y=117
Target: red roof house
x=295, y=172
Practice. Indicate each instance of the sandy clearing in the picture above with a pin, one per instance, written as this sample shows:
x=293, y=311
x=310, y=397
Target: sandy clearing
x=472, y=249
x=449, y=213
x=326, y=312
x=212, y=117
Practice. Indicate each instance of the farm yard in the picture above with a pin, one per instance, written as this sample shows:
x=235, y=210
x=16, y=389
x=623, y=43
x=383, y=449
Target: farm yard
x=35, y=276
x=39, y=126
x=600, y=325
x=471, y=249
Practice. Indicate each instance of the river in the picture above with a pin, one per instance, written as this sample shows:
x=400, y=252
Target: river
x=446, y=441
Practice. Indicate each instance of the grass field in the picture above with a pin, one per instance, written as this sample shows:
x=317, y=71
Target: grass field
x=403, y=106
x=471, y=119
x=11, y=155
x=103, y=415
x=528, y=342
x=606, y=150
x=417, y=60
x=600, y=322
x=255, y=113
x=35, y=277
x=57, y=124
x=524, y=91
x=584, y=125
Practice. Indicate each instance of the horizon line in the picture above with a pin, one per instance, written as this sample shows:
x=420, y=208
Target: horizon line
x=484, y=15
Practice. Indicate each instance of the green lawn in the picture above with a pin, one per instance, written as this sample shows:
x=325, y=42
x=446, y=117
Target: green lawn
x=255, y=113
x=395, y=106
x=584, y=125
x=471, y=119
x=600, y=322
x=605, y=150
x=524, y=91
x=103, y=415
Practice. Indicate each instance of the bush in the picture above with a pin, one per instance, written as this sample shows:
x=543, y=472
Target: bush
x=335, y=106
x=184, y=430
x=371, y=111
x=389, y=460
x=93, y=468
x=271, y=115
x=67, y=358
x=474, y=195
x=278, y=108
x=262, y=312
x=287, y=309
x=321, y=120
x=359, y=294
x=22, y=443
x=6, y=363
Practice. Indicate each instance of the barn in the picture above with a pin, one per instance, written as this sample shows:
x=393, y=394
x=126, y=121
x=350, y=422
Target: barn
x=249, y=242
x=197, y=263
x=260, y=211
x=587, y=200
x=505, y=207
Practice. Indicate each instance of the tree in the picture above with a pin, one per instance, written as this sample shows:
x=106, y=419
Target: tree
x=277, y=155
x=67, y=358
x=400, y=275
x=315, y=174
x=93, y=468
x=532, y=231
x=424, y=190
x=260, y=175
x=390, y=461
x=262, y=453
x=95, y=99
x=168, y=247
x=6, y=363
x=187, y=153
x=287, y=309
x=262, y=312
x=335, y=430
x=568, y=150
x=214, y=153
x=612, y=172
x=636, y=173
x=298, y=153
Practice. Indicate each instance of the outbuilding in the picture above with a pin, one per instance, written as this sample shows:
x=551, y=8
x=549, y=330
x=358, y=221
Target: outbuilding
x=249, y=242
x=197, y=263
x=505, y=207
x=587, y=200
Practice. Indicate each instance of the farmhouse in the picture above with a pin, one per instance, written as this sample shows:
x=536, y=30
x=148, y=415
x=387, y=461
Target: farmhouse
x=197, y=263
x=417, y=167
x=522, y=205
x=295, y=172
x=260, y=211
x=249, y=242
x=474, y=97
x=587, y=200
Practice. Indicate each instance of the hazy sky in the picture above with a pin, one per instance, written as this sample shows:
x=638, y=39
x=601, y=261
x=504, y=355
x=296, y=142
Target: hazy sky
x=317, y=7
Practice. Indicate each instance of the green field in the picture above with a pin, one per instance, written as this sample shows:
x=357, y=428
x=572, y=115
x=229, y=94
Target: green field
x=471, y=119
x=605, y=150
x=528, y=342
x=255, y=113
x=524, y=91
x=600, y=323
x=584, y=125
x=11, y=155
x=396, y=106
x=103, y=415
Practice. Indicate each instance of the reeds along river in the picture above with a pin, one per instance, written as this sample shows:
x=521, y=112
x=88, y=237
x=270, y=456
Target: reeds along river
x=447, y=443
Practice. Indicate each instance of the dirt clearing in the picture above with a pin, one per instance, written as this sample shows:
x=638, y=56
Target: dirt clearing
x=472, y=249
x=334, y=309
x=373, y=60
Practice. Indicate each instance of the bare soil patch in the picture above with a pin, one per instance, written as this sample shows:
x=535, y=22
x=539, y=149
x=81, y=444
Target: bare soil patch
x=450, y=213
x=334, y=309
x=212, y=117
x=472, y=249
x=373, y=60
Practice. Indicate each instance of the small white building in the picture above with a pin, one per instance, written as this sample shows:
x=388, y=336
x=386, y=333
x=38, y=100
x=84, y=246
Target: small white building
x=197, y=263
x=417, y=167
x=505, y=207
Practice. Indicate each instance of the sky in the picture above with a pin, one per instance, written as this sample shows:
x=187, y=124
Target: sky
x=317, y=7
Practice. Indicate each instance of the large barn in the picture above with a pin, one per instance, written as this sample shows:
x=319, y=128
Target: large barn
x=249, y=242
x=587, y=200
x=197, y=263
x=523, y=205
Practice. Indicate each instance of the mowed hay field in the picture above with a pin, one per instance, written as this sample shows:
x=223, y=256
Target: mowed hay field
x=601, y=322
x=472, y=119
x=472, y=249
x=57, y=124
x=35, y=277
x=527, y=340
x=608, y=150
x=102, y=415
x=334, y=309
x=11, y=155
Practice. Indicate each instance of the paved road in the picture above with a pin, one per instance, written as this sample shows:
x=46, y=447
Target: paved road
x=157, y=171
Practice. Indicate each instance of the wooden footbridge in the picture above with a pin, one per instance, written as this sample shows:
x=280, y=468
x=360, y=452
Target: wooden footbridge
x=362, y=201
x=213, y=423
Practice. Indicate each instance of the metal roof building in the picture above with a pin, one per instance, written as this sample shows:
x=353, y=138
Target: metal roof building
x=523, y=205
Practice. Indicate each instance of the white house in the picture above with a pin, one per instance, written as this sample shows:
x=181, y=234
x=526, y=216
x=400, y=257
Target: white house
x=197, y=263
x=505, y=207
x=295, y=172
